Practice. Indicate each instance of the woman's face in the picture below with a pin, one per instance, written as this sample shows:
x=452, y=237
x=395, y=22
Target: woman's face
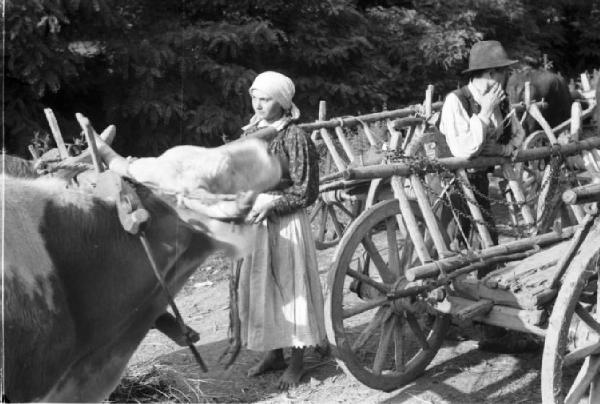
x=265, y=107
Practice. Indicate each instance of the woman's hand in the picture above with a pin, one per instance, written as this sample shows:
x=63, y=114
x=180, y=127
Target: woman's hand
x=260, y=213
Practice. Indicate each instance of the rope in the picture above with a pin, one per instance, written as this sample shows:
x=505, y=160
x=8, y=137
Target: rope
x=163, y=284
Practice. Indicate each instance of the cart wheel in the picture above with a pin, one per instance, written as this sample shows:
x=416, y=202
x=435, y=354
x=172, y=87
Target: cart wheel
x=384, y=343
x=329, y=220
x=571, y=361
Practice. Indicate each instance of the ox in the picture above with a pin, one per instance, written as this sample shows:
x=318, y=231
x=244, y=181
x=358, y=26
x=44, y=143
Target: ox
x=18, y=167
x=544, y=84
x=79, y=294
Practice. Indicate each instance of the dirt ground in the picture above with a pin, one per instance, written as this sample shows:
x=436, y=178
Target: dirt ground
x=163, y=371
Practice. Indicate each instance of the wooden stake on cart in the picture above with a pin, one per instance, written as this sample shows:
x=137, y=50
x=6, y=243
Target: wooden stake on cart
x=514, y=182
x=482, y=229
x=421, y=195
x=90, y=138
x=537, y=115
x=428, y=104
x=33, y=152
x=60, y=143
x=589, y=158
x=337, y=159
x=410, y=220
x=585, y=82
x=369, y=135
x=407, y=221
x=345, y=144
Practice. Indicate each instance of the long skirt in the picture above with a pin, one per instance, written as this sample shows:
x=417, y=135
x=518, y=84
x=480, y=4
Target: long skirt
x=280, y=296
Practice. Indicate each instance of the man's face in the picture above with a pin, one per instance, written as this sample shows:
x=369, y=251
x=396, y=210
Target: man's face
x=499, y=76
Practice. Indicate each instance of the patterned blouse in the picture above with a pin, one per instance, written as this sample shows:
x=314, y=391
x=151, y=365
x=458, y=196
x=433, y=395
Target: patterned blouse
x=299, y=186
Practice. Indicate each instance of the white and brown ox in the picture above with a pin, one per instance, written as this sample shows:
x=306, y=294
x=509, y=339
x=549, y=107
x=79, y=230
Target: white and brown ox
x=79, y=294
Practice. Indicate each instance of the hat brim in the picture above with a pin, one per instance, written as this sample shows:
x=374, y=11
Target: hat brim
x=495, y=66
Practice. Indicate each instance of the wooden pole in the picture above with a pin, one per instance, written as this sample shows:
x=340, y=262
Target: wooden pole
x=482, y=229
x=574, y=245
x=583, y=194
x=377, y=116
x=589, y=159
x=409, y=219
x=33, y=152
x=535, y=112
x=428, y=100
x=369, y=134
x=516, y=187
x=91, y=140
x=455, y=163
x=337, y=159
x=430, y=219
x=575, y=129
x=432, y=270
x=345, y=144
x=527, y=94
x=564, y=125
x=585, y=82
x=60, y=143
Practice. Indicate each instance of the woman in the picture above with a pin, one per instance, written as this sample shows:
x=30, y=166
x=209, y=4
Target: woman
x=280, y=297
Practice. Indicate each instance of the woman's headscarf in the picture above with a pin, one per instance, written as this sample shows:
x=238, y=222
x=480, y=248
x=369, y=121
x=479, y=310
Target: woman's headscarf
x=280, y=88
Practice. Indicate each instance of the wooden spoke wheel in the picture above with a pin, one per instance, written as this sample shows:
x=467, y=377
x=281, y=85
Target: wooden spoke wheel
x=384, y=343
x=329, y=220
x=571, y=360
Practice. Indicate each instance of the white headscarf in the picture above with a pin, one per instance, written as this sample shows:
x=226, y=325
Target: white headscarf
x=279, y=87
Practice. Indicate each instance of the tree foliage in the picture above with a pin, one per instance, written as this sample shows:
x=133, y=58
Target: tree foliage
x=169, y=73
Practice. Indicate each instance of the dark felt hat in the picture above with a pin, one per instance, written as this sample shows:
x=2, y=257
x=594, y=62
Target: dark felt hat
x=488, y=55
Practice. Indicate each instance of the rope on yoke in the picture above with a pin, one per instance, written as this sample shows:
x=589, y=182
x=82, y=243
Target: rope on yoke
x=161, y=281
x=133, y=216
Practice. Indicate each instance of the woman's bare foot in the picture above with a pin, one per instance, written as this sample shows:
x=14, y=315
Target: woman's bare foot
x=273, y=360
x=294, y=372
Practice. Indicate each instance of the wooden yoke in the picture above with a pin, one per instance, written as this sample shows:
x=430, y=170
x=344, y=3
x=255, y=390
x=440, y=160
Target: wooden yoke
x=131, y=212
x=111, y=185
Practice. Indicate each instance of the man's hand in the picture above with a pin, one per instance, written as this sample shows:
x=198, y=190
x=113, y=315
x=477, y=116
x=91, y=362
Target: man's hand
x=492, y=148
x=489, y=101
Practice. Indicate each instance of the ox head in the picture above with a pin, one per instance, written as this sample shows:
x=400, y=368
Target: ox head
x=515, y=86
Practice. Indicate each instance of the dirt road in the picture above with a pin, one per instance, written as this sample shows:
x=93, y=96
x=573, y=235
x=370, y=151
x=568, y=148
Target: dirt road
x=162, y=371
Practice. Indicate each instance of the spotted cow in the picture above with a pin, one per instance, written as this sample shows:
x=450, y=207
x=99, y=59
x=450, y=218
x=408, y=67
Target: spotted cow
x=79, y=294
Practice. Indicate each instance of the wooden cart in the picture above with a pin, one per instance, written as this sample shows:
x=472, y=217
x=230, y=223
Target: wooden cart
x=395, y=283
x=340, y=202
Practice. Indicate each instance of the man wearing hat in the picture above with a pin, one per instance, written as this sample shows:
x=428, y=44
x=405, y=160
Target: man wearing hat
x=474, y=122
